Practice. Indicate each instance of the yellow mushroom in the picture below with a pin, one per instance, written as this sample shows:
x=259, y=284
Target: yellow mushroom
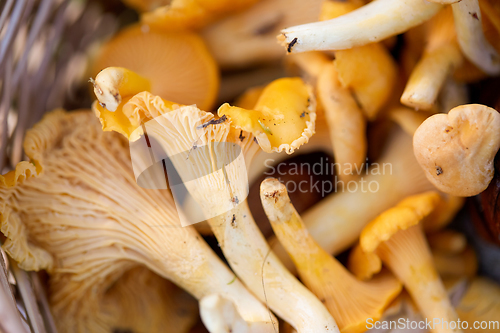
x=211, y=157
x=370, y=72
x=373, y=22
x=175, y=66
x=283, y=118
x=441, y=56
x=397, y=238
x=350, y=301
x=456, y=150
x=443, y=214
x=77, y=211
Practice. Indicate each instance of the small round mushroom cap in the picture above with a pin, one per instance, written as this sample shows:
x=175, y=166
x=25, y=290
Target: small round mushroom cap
x=456, y=150
x=407, y=213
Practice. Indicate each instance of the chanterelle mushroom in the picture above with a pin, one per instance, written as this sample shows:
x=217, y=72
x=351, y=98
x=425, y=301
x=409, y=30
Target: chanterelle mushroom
x=397, y=238
x=456, y=150
x=283, y=119
x=199, y=147
x=350, y=301
x=175, y=66
x=77, y=211
x=371, y=23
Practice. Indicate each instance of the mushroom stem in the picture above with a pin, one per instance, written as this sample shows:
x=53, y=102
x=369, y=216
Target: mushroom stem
x=408, y=256
x=471, y=39
x=336, y=222
x=429, y=75
x=371, y=23
x=346, y=123
x=221, y=316
x=349, y=300
x=220, y=188
x=114, y=83
x=251, y=258
x=81, y=205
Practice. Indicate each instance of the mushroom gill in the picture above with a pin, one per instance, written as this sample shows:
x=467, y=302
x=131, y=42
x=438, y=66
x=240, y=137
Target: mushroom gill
x=76, y=210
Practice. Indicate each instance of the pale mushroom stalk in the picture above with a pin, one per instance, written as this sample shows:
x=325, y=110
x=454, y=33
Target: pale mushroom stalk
x=346, y=123
x=77, y=211
x=398, y=239
x=428, y=77
x=418, y=274
x=221, y=193
x=283, y=118
x=336, y=222
x=441, y=56
x=470, y=35
x=350, y=301
x=370, y=72
x=371, y=23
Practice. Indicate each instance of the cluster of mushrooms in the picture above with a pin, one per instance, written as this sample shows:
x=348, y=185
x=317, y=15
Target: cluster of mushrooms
x=118, y=256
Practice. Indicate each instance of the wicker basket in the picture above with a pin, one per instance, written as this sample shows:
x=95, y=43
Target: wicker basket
x=44, y=50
